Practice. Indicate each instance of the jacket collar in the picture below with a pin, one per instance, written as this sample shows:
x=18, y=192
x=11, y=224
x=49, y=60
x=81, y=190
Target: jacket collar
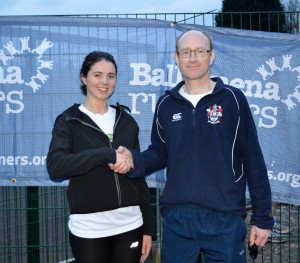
x=175, y=91
x=74, y=113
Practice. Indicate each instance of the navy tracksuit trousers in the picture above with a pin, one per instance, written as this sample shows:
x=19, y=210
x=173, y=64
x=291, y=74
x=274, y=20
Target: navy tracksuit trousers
x=191, y=232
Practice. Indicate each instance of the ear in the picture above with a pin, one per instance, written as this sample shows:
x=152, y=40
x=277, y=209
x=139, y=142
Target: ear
x=212, y=57
x=83, y=79
x=176, y=58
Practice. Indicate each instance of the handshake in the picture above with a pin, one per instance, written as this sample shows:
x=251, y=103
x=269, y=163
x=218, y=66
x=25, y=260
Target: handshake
x=124, y=161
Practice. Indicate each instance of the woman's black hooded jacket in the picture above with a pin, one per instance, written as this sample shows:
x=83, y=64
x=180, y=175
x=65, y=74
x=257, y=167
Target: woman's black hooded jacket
x=80, y=151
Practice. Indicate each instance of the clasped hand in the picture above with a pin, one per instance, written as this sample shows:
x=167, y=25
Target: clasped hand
x=124, y=161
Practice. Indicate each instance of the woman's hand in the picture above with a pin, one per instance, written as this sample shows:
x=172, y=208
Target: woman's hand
x=146, y=248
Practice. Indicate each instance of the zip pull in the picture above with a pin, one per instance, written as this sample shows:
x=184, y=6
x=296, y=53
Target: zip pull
x=110, y=137
x=194, y=121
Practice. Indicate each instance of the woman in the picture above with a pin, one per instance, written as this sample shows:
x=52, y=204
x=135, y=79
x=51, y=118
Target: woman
x=110, y=216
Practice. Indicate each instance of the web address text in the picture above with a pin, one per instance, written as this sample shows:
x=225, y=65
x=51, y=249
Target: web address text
x=23, y=160
x=292, y=179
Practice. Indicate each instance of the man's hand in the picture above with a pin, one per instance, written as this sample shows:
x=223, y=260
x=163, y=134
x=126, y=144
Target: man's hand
x=259, y=236
x=124, y=161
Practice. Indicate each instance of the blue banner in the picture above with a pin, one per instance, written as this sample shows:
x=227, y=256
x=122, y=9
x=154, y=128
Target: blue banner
x=40, y=59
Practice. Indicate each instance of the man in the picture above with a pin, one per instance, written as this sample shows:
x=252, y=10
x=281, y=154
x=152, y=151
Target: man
x=204, y=134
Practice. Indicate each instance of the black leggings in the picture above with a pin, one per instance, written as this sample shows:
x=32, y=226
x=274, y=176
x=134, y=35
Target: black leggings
x=122, y=248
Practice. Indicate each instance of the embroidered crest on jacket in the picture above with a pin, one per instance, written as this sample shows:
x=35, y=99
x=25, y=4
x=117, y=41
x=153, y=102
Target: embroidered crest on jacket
x=214, y=114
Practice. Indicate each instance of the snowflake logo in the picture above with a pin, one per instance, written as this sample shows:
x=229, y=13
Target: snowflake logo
x=291, y=79
x=35, y=80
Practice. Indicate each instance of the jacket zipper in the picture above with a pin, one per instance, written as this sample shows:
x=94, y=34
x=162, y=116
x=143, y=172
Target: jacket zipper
x=115, y=174
x=110, y=144
x=194, y=120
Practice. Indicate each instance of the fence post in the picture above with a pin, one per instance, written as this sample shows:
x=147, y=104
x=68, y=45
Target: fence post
x=33, y=250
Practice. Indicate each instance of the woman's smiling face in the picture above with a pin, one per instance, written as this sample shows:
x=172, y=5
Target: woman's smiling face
x=100, y=80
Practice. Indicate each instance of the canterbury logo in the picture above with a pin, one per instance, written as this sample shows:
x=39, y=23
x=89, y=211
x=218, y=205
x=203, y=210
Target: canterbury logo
x=177, y=117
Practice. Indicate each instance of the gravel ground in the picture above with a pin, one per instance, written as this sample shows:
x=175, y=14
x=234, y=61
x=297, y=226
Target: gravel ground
x=288, y=251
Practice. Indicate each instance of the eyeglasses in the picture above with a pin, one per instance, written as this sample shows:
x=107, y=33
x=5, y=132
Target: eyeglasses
x=198, y=52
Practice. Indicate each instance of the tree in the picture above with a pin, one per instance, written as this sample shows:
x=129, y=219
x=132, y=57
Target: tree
x=253, y=15
x=292, y=19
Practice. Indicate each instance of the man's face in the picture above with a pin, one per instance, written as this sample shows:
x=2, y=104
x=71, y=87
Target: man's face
x=194, y=56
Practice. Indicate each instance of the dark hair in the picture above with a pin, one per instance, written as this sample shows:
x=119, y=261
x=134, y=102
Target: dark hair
x=91, y=59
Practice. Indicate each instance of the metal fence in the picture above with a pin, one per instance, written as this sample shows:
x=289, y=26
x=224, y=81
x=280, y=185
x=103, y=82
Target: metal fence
x=33, y=220
x=288, y=22
x=33, y=225
x=33, y=228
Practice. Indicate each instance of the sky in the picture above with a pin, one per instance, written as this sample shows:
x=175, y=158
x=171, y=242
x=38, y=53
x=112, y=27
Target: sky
x=83, y=7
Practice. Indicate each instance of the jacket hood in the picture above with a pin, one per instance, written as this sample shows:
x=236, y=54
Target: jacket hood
x=74, y=112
